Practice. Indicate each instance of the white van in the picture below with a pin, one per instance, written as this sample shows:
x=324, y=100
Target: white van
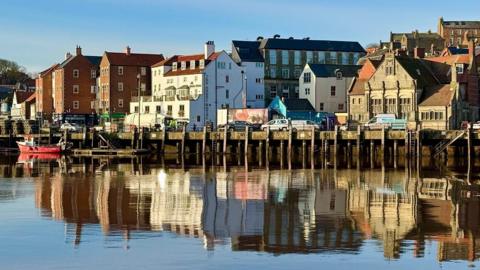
x=304, y=125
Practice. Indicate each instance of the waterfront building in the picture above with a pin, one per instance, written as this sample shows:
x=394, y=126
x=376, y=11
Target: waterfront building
x=44, y=93
x=21, y=104
x=326, y=86
x=248, y=55
x=191, y=88
x=284, y=60
x=74, y=87
x=121, y=76
x=457, y=33
x=422, y=92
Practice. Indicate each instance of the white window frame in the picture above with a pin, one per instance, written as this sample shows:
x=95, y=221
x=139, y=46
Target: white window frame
x=143, y=71
x=120, y=86
x=120, y=103
x=76, y=89
x=76, y=104
x=120, y=70
x=93, y=89
x=76, y=73
x=93, y=74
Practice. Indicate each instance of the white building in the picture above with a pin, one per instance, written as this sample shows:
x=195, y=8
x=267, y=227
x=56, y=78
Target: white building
x=191, y=88
x=248, y=56
x=326, y=86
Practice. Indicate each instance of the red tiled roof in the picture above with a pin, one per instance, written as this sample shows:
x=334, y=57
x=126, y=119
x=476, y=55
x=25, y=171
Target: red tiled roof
x=133, y=59
x=186, y=58
x=358, y=87
x=23, y=95
x=52, y=67
x=453, y=59
x=31, y=98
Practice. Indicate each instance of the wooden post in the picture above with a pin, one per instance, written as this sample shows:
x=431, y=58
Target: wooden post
x=335, y=145
x=260, y=153
x=204, y=142
x=407, y=145
x=183, y=141
x=383, y=143
x=267, y=147
x=372, y=153
x=469, y=145
x=312, y=146
x=197, y=148
x=326, y=151
x=395, y=152
x=225, y=140
x=289, y=146
x=281, y=153
x=164, y=137
x=246, y=141
x=304, y=152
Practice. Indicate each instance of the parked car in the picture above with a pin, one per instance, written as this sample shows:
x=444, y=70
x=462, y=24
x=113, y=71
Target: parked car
x=304, y=125
x=476, y=125
x=72, y=127
x=387, y=121
x=237, y=125
x=277, y=124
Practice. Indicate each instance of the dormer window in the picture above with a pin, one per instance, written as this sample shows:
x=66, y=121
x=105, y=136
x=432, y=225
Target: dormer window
x=339, y=75
x=202, y=64
x=192, y=64
x=459, y=68
x=174, y=66
x=184, y=65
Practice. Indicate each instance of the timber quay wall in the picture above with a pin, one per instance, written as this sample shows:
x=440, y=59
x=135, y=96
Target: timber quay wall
x=303, y=142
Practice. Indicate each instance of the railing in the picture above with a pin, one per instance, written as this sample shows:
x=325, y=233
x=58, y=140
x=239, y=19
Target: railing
x=441, y=146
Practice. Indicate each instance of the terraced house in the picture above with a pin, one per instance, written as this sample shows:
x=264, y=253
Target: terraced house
x=284, y=60
x=457, y=33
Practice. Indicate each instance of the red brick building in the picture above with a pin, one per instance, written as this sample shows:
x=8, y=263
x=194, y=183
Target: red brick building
x=120, y=76
x=44, y=93
x=74, y=86
x=457, y=33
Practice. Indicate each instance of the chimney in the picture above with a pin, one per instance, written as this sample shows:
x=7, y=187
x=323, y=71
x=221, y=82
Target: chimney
x=471, y=48
x=78, y=50
x=209, y=49
x=127, y=50
x=419, y=52
x=68, y=55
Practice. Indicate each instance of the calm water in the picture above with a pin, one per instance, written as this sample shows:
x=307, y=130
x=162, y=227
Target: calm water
x=137, y=214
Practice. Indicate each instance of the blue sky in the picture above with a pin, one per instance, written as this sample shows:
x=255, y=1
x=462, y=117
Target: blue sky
x=38, y=33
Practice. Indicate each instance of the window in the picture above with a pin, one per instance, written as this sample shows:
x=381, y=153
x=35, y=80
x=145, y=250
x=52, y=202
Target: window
x=143, y=71
x=181, y=108
x=169, y=110
x=259, y=64
x=76, y=89
x=321, y=57
x=229, y=65
x=273, y=72
x=76, y=104
x=353, y=101
x=259, y=96
x=201, y=64
x=307, y=77
x=227, y=94
x=136, y=109
x=227, y=79
x=93, y=74
x=459, y=68
x=221, y=65
x=285, y=91
x=339, y=75
x=297, y=58
x=285, y=73
x=143, y=87
x=93, y=89
x=339, y=58
x=92, y=104
x=183, y=65
x=273, y=57
x=258, y=80
x=297, y=72
x=198, y=118
x=307, y=91
x=174, y=66
x=76, y=73
x=158, y=109
x=309, y=56
x=273, y=91
x=120, y=70
x=120, y=103
x=333, y=90
x=120, y=86
x=192, y=64
x=321, y=106
x=340, y=107
x=284, y=57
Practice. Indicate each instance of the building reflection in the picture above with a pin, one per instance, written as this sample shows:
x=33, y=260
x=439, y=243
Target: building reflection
x=301, y=211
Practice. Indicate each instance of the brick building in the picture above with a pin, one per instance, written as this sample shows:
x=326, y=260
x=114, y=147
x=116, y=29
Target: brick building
x=431, y=43
x=120, y=75
x=456, y=33
x=74, y=87
x=44, y=93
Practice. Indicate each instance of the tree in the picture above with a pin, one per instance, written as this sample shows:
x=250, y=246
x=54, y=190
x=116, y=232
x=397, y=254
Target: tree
x=12, y=73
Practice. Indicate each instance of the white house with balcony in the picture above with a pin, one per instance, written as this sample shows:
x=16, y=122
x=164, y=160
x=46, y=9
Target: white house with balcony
x=190, y=88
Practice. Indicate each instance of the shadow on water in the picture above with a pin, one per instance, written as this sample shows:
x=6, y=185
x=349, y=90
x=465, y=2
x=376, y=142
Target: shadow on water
x=253, y=208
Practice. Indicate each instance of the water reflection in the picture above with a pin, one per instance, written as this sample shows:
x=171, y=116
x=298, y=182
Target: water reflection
x=274, y=211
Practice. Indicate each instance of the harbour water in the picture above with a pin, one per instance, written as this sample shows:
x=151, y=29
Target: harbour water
x=138, y=213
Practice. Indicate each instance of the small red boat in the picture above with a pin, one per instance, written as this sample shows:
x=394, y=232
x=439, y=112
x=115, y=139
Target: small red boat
x=30, y=146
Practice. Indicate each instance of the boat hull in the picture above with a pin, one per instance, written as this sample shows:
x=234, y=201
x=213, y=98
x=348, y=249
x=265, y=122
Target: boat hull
x=51, y=149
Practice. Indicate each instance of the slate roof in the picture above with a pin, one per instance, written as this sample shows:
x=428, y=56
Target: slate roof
x=248, y=51
x=311, y=45
x=298, y=104
x=326, y=71
x=438, y=95
x=52, y=67
x=417, y=70
x=94, y=60
x=133, y=59
x=461, y=24
x=455, y=50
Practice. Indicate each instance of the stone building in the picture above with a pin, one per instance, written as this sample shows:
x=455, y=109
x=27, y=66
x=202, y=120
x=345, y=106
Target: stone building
x=455, y=33
x=430, y=43
x=422, y=92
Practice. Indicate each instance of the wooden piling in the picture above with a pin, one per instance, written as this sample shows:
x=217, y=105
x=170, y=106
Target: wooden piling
x=164, y=137
x=359, y=146
x=304, y=152
x=281, y=153
x=246, y=141
x=312, y=146
x=204, y=141
x=183, y=141
x=395, y=153
x=335, y=143
x=289, y=147
x=225, y=140
x=267, y=147
x=260, y=153
x=382, y=148
x=469, y=146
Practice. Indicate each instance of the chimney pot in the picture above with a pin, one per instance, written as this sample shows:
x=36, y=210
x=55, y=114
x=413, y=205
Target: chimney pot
x=209, y=49
x=127, y=50
x=78, y=50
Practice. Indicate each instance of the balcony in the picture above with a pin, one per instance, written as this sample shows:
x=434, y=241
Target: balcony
x=181, y=113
